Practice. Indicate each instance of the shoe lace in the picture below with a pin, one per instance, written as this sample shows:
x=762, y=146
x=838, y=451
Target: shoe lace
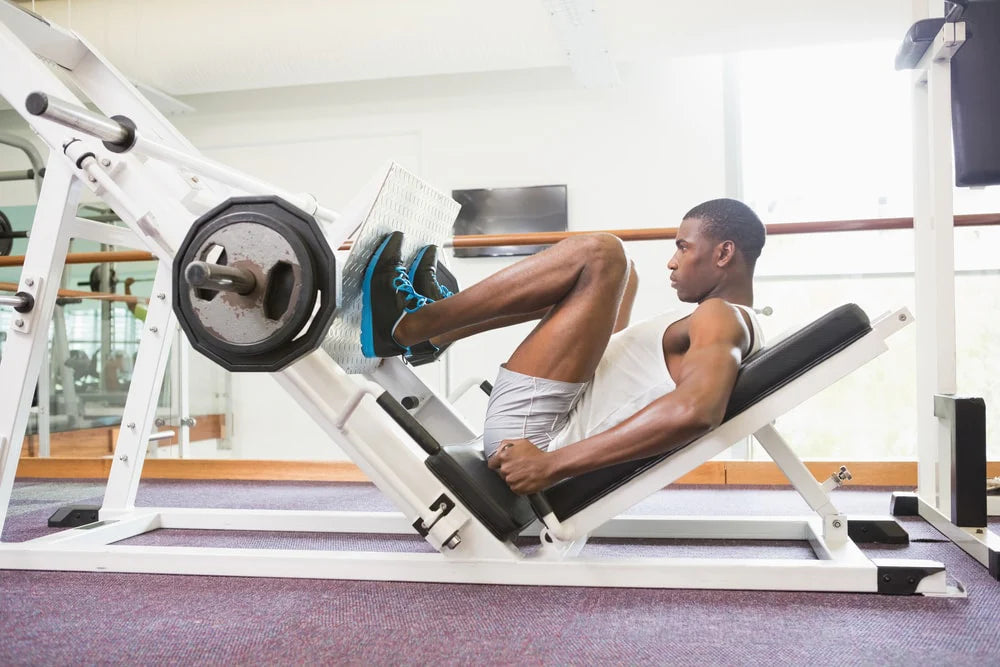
x=443, y=291
x=401, y=283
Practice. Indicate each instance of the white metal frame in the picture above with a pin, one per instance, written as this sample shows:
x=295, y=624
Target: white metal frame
x=158, y=188
x=933, y=178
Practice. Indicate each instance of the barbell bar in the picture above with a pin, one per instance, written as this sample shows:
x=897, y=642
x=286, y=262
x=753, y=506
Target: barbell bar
x=205, y=275
x=113, y=132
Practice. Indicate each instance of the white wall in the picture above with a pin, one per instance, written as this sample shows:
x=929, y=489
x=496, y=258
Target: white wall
x=638, y=156
x=190, y=46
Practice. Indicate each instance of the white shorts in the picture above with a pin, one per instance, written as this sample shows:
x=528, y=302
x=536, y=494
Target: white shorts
x=522, y=406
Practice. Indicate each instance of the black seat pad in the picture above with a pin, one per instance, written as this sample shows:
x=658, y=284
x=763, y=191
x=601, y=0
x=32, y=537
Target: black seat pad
x=463, y=469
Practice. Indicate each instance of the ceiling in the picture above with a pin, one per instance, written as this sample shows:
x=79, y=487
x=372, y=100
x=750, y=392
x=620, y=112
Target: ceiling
x=186, y=47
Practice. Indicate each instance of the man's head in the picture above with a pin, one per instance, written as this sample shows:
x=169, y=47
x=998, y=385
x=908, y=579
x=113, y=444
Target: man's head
x=718, y=244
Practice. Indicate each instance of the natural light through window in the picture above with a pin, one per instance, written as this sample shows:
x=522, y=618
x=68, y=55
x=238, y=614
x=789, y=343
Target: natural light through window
x=826, y=133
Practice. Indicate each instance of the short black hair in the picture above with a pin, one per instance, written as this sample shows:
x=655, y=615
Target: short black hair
x=732, y=220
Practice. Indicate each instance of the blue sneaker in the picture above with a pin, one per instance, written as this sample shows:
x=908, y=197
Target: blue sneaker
x=423, y=275
x=386, y=296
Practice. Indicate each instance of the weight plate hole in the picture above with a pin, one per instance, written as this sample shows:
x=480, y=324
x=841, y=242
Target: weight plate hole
x=308, y=324
x=279, y=289
x=215, y=254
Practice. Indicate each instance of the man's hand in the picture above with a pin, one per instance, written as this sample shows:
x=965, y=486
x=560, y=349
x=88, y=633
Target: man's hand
x=524, y=467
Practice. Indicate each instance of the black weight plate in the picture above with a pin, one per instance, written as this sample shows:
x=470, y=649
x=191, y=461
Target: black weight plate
x=95, y=280
x=6, y=244
x=278, y=336
x=293, y=223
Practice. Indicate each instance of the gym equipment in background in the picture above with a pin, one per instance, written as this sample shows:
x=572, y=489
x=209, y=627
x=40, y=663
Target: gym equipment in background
x=956, y=101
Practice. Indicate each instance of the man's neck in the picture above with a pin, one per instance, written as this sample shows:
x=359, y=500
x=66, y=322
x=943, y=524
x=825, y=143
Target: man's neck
x=741, y=294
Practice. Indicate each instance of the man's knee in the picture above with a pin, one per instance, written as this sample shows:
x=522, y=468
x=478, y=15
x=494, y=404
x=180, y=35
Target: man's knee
x=605, y=252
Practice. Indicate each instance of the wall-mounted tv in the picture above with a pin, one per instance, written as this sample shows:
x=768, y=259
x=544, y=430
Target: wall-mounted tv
x=539, y=208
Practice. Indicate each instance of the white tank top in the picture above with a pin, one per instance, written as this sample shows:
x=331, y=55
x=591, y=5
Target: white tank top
x=632, y=374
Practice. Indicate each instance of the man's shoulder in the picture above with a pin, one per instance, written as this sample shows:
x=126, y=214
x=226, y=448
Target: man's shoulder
x=718, y=316
x=716, y=308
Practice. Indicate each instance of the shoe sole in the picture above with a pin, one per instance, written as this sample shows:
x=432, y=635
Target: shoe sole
x=367, y=336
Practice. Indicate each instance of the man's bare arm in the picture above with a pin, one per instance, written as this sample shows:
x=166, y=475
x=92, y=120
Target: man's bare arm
x=696, y=406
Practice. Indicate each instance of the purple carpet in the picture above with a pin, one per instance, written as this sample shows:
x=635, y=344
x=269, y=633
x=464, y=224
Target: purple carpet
x=95, y=618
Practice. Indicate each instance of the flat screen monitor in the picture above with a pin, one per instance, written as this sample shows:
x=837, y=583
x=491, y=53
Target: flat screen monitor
x=540, y=208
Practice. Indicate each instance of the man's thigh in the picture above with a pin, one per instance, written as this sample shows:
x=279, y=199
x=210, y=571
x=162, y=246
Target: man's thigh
x=523, y=406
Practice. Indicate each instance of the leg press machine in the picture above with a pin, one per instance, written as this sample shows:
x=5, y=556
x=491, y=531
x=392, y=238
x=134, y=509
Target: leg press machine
x=396, y=429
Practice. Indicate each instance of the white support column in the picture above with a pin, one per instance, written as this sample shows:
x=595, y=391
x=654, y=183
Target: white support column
x=935, y=263
x=143, y=395
x=28, y=343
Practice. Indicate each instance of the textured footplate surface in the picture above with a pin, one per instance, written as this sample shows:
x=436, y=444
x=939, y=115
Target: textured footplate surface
x=395, y=199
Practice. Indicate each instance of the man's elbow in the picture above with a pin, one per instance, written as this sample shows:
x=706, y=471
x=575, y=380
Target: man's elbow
x=699, y=419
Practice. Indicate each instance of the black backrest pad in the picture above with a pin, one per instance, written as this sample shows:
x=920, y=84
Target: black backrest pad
x=975, y=98
x=465, y=472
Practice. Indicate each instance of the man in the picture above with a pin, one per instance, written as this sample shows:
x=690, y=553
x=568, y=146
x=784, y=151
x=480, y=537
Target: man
x=573, y=398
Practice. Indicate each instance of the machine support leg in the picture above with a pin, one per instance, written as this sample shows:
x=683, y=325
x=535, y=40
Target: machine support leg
x=28, y=341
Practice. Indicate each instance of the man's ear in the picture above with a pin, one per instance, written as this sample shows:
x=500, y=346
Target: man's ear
x=724, y=253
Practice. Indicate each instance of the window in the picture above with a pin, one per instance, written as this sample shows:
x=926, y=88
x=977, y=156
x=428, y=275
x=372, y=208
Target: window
x=825, y=134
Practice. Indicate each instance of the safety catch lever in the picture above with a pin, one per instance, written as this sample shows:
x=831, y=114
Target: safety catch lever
x=443, y=505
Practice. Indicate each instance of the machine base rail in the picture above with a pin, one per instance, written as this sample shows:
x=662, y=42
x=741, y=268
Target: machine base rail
x=89, y=549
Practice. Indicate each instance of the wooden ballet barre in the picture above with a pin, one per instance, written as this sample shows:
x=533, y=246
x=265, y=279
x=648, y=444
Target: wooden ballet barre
x=78, y=294
x=666, y=233
x=90, y=257
x=546, y=238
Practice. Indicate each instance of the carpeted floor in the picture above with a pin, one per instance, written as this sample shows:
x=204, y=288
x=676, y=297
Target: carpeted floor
x=100, y=618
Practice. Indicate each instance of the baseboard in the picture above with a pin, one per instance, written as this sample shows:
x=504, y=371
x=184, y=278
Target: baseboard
x=752, y=473
x=225, y=469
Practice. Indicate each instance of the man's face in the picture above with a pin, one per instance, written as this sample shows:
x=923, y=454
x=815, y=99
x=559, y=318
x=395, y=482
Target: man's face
x=693, y=270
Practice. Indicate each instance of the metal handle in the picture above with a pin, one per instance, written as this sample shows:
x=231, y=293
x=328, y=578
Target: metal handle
x=108, y=130
x=205, y=275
